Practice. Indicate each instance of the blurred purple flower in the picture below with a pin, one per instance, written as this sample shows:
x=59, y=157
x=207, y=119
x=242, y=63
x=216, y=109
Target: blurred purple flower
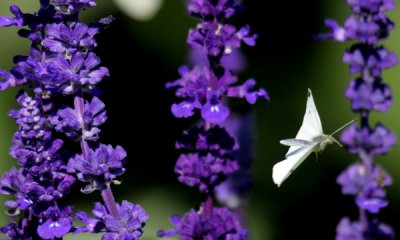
x=376, y=141
x=206, y=87
x=197, y=138
x=235, y=62
x=347, y=230
x=367, y=186
x=369, y=61
x=369, y=96
x=222, y=224
x=368, y=25
x=204, y=172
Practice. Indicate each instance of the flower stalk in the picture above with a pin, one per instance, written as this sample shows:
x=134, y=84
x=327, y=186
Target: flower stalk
x=367, y=26
x=205, y=88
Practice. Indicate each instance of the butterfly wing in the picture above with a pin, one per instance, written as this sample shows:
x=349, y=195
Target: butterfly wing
x=311, y=126
x=295, y=142
x=283, y=169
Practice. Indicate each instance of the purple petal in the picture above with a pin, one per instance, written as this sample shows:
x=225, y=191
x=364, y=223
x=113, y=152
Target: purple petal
x=54, y=229
x=183, y=110
x=214, y=113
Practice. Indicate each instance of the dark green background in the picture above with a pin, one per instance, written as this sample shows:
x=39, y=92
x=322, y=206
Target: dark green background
x=286, y=62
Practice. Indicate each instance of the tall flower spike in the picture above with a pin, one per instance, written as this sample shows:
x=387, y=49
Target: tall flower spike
x=61, y=62
x=367, y=59
x=205, y=88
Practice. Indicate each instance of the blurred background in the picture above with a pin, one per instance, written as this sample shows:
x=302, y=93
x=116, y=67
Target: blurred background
x=145, y=46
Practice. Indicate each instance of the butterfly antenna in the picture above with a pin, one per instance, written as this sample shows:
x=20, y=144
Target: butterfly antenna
x=344, y=126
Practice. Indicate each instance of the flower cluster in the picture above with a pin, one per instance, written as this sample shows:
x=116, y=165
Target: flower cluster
x=128, y=225
x=61, y=62
x=205, y=87
x=209, y=158
x=222, y=224
x=367, y=58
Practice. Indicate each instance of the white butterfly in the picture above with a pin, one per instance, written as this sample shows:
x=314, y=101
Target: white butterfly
x=310, y=138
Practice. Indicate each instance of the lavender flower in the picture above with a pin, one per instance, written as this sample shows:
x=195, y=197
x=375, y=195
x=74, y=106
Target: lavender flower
x=348, y=230
x=365, y=179
x=203, y=90
x=235, y=189
x=204, y=172
x=72, y=6
x=206, y=87
x=222, y=224
x=128, y=226
x=83, y=122
x=99, y=167
x=61, y=38
x=57, y=223
x=61, y=62
x=366, y=186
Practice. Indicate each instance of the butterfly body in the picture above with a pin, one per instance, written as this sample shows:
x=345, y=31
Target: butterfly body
x=310, y=138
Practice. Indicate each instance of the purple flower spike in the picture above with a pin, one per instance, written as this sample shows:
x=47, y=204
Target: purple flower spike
x=222, y=224
x=56, y=223
x=367, y=185
x=206, y=87
x=204, y=172
x=368, y=25
x=81, y=123
x=100, y=167
x=61, y=62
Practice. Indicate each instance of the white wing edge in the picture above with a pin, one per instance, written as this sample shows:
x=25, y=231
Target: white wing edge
x=311, y=106
x=282, y=170
x=295, y=142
